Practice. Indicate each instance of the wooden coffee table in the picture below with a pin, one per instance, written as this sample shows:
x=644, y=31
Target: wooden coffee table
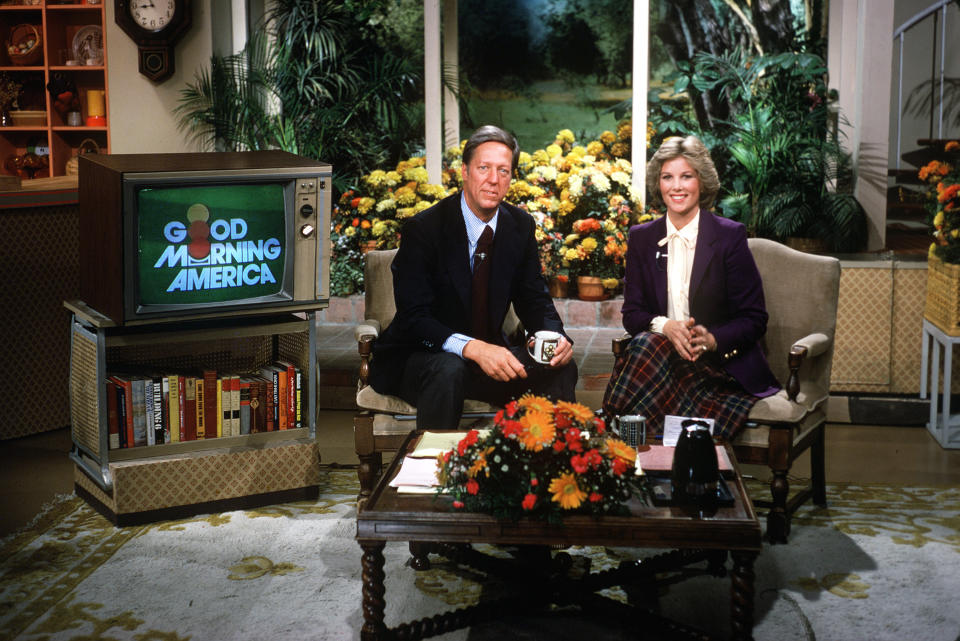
x=430, y=524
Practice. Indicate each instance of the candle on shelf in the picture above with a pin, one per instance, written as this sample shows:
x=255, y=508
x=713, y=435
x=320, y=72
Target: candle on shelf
x=96, y=110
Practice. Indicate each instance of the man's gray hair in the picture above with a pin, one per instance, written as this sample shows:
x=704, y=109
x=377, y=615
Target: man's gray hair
x=491, y=133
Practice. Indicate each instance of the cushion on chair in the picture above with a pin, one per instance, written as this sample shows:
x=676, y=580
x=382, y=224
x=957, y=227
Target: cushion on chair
x=370, y=399
x=378, y=287
x=780, y=409
x=759, y=435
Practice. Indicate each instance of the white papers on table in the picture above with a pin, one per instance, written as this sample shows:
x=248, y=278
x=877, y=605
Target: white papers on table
x=416, y=473
x=673, y=424
x=433, y=444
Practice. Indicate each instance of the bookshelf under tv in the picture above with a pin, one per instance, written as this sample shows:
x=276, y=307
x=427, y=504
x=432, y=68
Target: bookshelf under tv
x=173, y=480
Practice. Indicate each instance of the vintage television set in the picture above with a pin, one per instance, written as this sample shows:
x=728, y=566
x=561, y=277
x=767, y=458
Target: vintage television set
x=168, y=237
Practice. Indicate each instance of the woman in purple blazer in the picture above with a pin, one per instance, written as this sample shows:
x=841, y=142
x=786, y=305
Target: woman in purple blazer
x=693, y=303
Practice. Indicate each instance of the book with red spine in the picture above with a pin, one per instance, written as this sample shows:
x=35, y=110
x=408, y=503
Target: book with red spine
x=210, y=403
x=189, y=423
x=200, y=408
x=126, y=410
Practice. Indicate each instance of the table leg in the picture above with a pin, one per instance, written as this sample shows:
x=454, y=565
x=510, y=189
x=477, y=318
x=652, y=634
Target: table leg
x=741, y=596
x=925, y=361
x=935, y=387
x=372, y=576
x=419, y=555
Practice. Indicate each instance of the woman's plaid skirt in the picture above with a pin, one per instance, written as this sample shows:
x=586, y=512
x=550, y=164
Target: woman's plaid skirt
x=652, y=380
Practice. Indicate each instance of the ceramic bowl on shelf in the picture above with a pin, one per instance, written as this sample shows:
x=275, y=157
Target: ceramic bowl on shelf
x=29, y=118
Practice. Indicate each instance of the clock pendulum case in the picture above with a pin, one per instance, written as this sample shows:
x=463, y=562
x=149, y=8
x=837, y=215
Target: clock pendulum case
x=155, y=26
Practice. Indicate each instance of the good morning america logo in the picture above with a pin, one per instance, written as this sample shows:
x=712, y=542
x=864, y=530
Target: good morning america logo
x=231, y=260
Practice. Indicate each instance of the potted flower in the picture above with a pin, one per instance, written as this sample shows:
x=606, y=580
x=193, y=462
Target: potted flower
x=943, y=262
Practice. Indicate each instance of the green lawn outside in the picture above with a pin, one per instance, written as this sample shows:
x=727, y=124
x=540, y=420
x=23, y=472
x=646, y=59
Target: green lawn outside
x=551, y=106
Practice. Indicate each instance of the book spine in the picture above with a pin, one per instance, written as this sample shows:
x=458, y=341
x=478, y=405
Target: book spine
x=244, y=406
x=173, y=385
x=200, y=409
x=190, y=412
x=235, y=406
x=283, y=401
x=158, y=411
x=219, y=396
x=113, y=426
x=148, y=411
x=298, y=398
x=128, y=410
x=139, y=413
x=210, y=420
x=182, y=405
x=121, y=401
x=165, y=383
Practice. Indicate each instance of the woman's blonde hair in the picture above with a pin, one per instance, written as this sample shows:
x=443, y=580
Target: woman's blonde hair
x=695, y=153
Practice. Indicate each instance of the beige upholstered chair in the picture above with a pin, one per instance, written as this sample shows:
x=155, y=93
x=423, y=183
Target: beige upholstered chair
x=383, y=421
x=801, y=293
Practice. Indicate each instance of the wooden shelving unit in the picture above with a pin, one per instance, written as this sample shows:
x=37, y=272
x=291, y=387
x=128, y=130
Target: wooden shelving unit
x=58, y=25
x=141, y=484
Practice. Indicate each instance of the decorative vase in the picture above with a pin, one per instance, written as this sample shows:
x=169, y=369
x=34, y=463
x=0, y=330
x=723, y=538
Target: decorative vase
x=558, y=288
x=367, y=245
x=591, y=288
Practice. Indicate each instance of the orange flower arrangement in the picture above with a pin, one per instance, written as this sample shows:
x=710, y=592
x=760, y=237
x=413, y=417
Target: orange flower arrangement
x=944, y=203
x=542, y=460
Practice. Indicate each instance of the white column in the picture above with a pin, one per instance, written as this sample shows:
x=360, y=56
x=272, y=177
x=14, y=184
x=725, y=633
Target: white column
x=860, y=70
x=451, y=71
x=641, y=63
x=433, y=109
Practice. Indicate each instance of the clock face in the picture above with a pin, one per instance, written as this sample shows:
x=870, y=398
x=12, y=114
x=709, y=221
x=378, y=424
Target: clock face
x=152, y=15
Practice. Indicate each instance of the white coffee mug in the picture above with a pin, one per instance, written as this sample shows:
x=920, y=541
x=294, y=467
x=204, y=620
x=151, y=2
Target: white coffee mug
x=542, y=346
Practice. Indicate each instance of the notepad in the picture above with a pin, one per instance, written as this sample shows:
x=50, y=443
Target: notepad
x=433, y=444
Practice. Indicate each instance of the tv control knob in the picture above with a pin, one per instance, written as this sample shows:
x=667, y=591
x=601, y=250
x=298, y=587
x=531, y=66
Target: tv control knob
x=307, y=231
x=306, y=211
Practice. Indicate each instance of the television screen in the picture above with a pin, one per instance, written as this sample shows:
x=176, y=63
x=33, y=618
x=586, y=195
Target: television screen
x=210, y=243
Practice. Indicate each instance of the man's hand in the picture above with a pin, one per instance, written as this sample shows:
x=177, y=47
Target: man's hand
x=563, y=354
x=496, y=362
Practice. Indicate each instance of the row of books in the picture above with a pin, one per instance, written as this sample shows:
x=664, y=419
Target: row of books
x=145, y=410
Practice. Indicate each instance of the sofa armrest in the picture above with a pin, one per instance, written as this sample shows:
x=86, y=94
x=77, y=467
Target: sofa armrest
x=369, y=327
x=365, y=334
x=815, y=344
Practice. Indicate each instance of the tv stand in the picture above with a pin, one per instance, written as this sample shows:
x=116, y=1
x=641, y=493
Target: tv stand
x=174, y=480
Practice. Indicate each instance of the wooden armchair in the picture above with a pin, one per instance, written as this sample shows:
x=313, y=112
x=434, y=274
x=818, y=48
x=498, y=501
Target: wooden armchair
x=382, y=421
x=801, y=292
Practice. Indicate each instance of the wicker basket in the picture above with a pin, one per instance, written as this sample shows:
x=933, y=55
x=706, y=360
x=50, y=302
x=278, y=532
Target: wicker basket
x=20, y=50
x=88, y=146
x=943, y=296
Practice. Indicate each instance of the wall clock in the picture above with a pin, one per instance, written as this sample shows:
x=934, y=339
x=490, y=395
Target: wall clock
x=155, y=26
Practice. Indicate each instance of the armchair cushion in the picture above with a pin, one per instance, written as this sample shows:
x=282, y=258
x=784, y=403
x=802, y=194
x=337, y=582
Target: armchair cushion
x=369, y=399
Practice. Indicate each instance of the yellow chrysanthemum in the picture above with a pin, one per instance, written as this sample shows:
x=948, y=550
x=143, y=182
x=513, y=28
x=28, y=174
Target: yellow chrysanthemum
x=538, y=430
x=376, y=177
x=568, y=254
x=577, y=411
x=365, y=204
x=608, y=138
x=621, y=450
x=589, y=244
x=386, y=204
x=594, y=147
x=565, y=135
x=566, y=492
x=541, y=157
x=554, y=150
x=418, y=174
x=405, y=196
x=349, y=231
x=938, y=219
x=405, y=212
x=610, y=283
x=393, y=178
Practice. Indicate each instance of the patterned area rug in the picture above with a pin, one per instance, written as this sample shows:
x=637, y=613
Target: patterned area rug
x=880, y=563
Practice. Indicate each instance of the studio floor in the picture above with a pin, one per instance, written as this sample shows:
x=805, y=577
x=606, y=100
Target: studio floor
x=34, y=469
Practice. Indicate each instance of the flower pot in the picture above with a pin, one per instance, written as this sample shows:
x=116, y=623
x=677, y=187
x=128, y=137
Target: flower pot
x=942, y=306
x=591, y=288
x=558, y=288
x=367, y=245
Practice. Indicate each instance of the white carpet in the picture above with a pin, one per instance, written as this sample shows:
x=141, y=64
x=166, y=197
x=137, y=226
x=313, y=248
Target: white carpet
x=881, y=563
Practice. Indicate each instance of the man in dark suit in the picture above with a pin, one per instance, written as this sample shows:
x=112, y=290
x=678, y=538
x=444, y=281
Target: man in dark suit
x=441, y=346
